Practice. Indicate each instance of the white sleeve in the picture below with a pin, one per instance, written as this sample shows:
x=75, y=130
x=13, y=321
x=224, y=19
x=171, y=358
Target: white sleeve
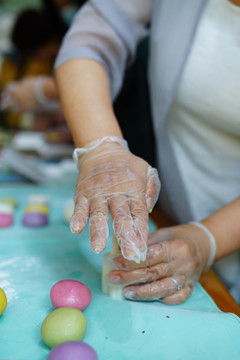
x=107, y=31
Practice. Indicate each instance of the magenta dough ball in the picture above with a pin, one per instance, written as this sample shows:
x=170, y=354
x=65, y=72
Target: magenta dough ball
x=6, y=220
x=70, y=293
x=73, y=350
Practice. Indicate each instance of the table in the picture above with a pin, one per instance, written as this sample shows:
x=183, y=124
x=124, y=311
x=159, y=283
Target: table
x=32, y=260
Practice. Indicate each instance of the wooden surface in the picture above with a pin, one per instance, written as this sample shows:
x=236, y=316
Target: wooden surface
x=209, y=280
x=219, y=293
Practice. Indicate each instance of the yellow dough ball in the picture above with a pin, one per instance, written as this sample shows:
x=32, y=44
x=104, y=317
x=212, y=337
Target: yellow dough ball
x=37, y=208
x=3, y=301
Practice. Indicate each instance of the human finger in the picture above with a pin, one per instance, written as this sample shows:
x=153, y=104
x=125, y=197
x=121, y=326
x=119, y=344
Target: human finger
x=80, y=214
x=125, y=228
x=157, y=253
x=141, y=275
x=178, y=297
x=153, y=186
x=155, y=290
x=139, y=215
x=98, y=224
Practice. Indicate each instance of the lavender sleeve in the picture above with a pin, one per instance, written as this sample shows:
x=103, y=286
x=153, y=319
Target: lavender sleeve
x=107, y=31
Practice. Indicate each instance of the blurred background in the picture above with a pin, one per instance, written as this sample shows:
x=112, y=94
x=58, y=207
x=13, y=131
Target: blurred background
x=35, y=143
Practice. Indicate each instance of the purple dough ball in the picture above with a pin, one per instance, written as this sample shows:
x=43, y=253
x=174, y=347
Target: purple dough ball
x=73, y=350
x=35, y=219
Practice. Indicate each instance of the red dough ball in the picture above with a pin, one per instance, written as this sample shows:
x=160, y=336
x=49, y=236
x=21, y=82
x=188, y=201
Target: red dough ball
x=70, y=293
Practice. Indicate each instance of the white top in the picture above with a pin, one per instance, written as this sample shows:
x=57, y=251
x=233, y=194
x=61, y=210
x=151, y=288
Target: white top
x=204, y=121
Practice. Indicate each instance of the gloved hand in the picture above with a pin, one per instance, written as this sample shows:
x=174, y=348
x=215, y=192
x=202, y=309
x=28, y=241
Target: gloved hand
x=111, y=177
x=176, y=258
x=27, y=95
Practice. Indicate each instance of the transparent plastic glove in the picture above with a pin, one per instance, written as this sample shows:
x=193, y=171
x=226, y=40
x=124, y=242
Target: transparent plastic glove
x=176, y=258
x=111, y=177
x=27, y=95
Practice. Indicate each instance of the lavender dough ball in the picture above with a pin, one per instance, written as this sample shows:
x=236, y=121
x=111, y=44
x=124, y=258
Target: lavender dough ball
x=73, y=350
x=35, y=219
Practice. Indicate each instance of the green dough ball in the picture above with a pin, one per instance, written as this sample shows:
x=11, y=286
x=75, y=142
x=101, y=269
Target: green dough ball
x=63, y=324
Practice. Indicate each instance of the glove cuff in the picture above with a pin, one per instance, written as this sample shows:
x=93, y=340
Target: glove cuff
x=42, y=99
x=94, y=144
x=212, y=243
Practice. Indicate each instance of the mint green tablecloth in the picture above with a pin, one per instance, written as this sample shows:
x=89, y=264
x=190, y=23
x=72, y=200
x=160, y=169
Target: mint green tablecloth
x=31, y=261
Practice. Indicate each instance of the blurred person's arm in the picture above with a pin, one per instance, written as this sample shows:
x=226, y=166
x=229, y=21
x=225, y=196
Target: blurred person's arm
x=35, y=93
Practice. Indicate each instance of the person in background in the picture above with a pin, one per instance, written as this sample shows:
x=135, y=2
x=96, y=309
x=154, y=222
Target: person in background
x=36, y=42
x=36, y=36
x=194, y=79
x=62, y=12
x=39, y=94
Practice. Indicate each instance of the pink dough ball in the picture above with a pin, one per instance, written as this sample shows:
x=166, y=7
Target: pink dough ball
x=6, y=220
x=70, y=293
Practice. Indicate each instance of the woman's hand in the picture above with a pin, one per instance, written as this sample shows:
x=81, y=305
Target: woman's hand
x=18, y=96
x=27, y=94
x=176, y=258
x=111, y=177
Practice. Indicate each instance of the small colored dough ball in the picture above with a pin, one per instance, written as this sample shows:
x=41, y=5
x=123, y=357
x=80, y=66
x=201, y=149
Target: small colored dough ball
x=73, y=350
x=3, y=301
x=62, y=325
x=6, y=215
x=6, y=220
x=68, y=212
x=10, y=201
x=70, y=293
x=35, y=219
x=39, y=199
x=36, y=208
